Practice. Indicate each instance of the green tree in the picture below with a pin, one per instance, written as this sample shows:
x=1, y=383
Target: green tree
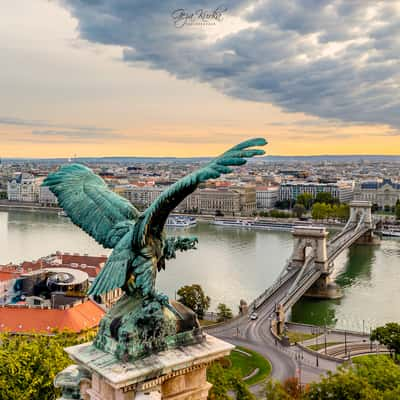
x=389, y=335
x=274, y=390
x=299, y=210
x=194, y=297
x=345, y=385
x=319, y=211
x=397, y=210
x=343, y=212
x=283, y=204
x=375, y=207
x=280, y=214
x=326, y=197
x=369, y=378
x=224, y=380
x=223, y=312
x=28, y=365
x=306, y=199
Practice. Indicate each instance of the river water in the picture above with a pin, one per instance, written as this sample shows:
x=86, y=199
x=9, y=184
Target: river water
x=233, y=264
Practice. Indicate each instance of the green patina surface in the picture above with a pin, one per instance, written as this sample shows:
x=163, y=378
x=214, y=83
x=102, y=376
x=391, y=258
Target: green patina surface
x=143, y=321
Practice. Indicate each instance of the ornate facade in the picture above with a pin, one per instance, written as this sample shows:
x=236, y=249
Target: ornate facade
x=384, y=192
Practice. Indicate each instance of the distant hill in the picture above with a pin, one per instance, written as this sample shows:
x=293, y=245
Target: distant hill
x=270, y=159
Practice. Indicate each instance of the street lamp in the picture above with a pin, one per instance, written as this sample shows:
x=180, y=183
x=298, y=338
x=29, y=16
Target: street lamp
x=316, y=348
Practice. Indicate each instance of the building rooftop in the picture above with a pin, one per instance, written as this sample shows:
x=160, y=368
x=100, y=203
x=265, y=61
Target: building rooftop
x=76, y=318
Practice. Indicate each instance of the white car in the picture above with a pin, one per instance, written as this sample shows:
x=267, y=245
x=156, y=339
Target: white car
x=253, y=316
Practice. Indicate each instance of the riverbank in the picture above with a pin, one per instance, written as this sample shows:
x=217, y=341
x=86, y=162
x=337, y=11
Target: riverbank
x=6, y=205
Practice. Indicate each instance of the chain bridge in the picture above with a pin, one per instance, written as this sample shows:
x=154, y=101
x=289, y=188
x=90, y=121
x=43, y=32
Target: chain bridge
x=307, y=272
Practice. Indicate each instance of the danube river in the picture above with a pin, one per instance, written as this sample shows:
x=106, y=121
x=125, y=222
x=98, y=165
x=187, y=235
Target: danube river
x=233, y=264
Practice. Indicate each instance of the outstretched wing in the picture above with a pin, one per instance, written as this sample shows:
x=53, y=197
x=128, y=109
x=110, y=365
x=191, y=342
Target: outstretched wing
x=114, y=273
x=156, y=215
x=89, y=203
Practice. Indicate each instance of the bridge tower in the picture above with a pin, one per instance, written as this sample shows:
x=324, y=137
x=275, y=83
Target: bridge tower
x=362, y=209
x=359, y=208
x=316, y=239
x=313, y=238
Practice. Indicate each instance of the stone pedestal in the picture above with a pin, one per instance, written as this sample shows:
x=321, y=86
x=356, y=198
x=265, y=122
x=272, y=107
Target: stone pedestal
x=178, y=374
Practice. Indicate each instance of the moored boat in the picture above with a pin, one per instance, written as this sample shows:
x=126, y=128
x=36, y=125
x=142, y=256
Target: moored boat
x=177, y=221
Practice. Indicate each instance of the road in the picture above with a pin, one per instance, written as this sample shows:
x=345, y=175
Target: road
x=256, y=335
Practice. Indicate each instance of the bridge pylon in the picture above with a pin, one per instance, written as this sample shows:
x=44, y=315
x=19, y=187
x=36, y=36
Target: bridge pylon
x=313, y=238
x=360, y=209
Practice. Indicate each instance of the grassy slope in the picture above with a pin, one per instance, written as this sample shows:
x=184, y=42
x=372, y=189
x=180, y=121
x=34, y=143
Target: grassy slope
x=246, y=365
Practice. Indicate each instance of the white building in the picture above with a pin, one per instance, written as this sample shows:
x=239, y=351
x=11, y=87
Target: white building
x=383, y=192
x=343, y=190
x=231, y=200
x=141, y=196
x=46, y=197
x=22, y=187
x=266, y=196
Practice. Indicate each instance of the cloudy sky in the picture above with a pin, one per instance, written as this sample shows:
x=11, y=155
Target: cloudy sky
x=189, y=78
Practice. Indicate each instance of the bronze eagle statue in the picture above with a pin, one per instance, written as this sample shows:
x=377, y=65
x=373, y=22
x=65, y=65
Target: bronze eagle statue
x=140, y=248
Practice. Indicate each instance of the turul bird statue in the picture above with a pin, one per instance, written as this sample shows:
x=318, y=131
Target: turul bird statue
x=142, y=321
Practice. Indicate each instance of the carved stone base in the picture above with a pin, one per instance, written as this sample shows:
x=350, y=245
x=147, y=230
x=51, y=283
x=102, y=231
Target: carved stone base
x=177, y=374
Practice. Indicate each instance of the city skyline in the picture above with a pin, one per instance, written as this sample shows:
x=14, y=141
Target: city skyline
x=107, y=81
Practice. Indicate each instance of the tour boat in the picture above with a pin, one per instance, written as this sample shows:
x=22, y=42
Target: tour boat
x=177, y=221
x=235, y=223
x=254, y=224
x=390, y=232
x=62, y=213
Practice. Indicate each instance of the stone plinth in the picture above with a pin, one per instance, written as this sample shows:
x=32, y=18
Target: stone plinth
x=177, y=374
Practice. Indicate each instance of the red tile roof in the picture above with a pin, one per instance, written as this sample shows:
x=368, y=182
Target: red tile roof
x=82, y=316
x=8, y=275
x=82, y=259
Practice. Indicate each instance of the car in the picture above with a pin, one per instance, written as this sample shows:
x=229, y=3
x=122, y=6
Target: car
x=253, y=316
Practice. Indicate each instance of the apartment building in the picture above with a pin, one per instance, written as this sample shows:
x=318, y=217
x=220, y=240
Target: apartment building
x=266, y=196
x=343, y=190
x=22, y=187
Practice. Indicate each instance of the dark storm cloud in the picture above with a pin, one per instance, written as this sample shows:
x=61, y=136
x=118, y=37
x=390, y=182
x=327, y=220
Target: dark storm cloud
x=335, y=59
x=14, y=121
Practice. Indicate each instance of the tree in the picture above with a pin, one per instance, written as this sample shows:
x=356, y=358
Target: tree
x=223, y=312
x=274, y=390
x=224, y=380
x=306, y=199
x=279, y=214
x=389, y=335
x=397, y=210
x=193, y=297
x=346, y=385
x=319, y=211
x=293, y=388
x=369, y=378
x=299, y=210
x=28, y=365
x=326, y=197
x=283, y=204
x=343, y=212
